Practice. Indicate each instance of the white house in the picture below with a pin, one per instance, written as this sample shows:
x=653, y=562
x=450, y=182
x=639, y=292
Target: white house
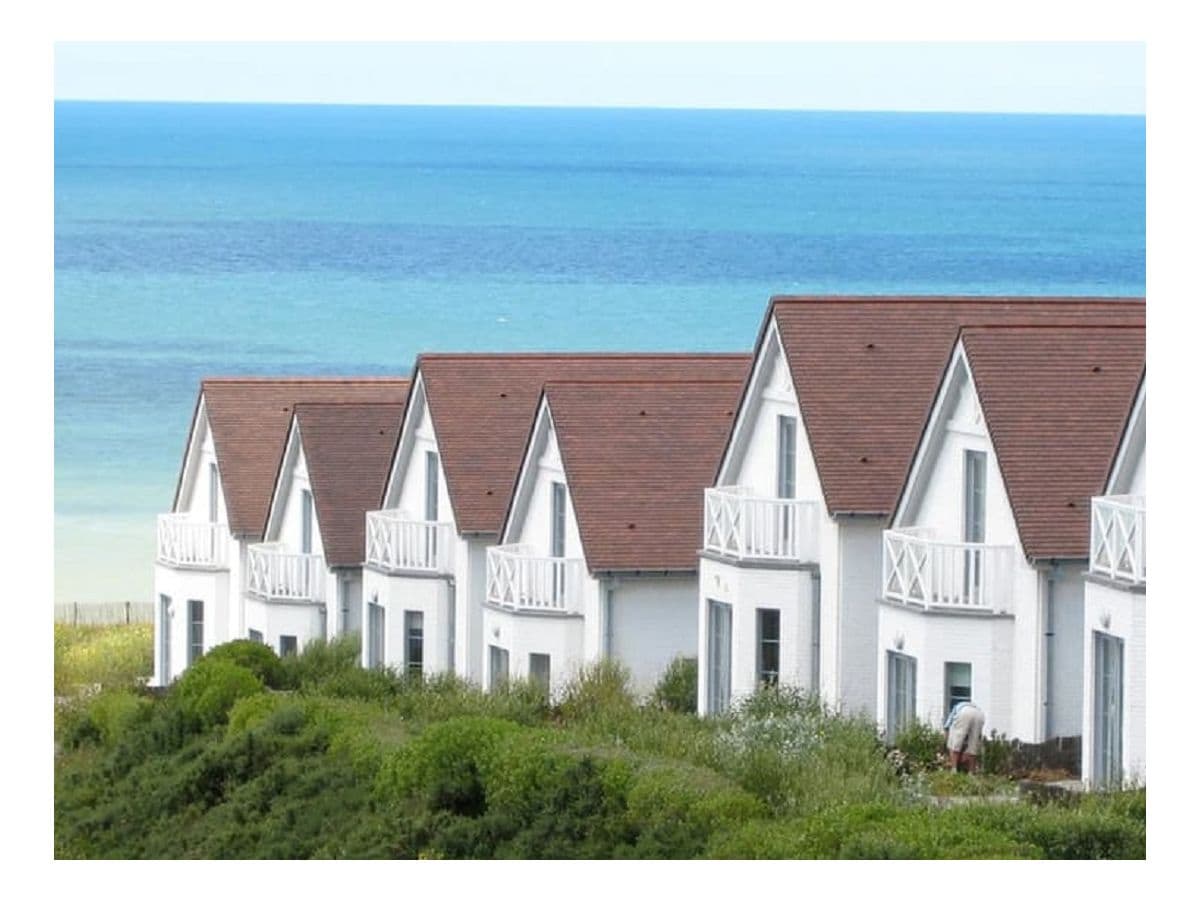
x=816, y=460
x=1114, y=618
x=598, y=555
x=235, y=442
x=304, y=581
x=983, y=566
x=460, y=448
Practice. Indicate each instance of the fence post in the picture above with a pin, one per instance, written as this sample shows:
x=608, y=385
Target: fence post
x=126, y=612
x=75, y=613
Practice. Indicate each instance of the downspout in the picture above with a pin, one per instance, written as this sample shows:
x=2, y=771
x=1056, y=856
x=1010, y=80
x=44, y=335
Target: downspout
x=815, y=674
x=606, y=616
x=1047, y=696
x=452, y=598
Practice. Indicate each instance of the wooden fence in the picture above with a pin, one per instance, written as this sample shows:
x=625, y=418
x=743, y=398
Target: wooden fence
x=103, y=613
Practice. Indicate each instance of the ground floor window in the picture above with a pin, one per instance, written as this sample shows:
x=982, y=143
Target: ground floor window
x=539, y=671
x=720, y=646
x=1108, y=699
x=195, y=630
x=287, y=645
x=958, y=685
x=164, y=635
x=901, y=692
x=256, y=636
x=414, y=642
x=375, y=622
x=768, y=646
x=497, y=666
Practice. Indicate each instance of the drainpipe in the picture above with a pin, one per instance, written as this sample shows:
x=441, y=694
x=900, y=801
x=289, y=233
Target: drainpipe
x=815, y=674
x=1047, y=695
x=610, y=584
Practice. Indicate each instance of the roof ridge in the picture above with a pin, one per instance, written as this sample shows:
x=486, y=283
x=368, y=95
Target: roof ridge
x=954, y=298
x=590, y=354
x=665, y=382
x=1068, y=326
x=303, y=379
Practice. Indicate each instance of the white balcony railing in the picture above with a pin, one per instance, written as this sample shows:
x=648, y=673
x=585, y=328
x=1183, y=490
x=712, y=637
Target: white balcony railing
x=519, y=580
x=188, y=543
x=944, y=574
x=737, y=523
x=396, y=543
x=1119, y=537
x=276, y=575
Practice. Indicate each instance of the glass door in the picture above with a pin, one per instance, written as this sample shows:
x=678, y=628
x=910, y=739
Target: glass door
x=720, y=645
x=1109, y=665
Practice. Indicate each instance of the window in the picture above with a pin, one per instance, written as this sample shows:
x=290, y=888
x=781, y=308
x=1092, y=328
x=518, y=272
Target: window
x=539, y=671
x=287, y=645
x=256, y=636
x=768, y=646
x=720, y=644
x=213, y=487
x=958, y=685
x=431, y=507
x=974, y=490
x=1108, y=703
x=497, y=666
x=901, y=693
x=164, y=637
x=414, y=642
x=785, y=463
x=195, y=630
x=558, y=521
x=306, y=521
x=375, y=622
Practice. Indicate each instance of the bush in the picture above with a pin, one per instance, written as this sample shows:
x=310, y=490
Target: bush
x=923, y=746
x=676, y=690
x=320, y=661
x=258, y=658
x=446, y=753
x=598, y=691
x=677, y=808
x=997, y=754
x=207, y=690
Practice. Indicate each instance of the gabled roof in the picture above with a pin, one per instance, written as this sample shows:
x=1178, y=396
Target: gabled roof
x=347, y=449
x=483, y=406
x=866, y=371
x=1055, y=401
x=249, y=419
x=637, y=457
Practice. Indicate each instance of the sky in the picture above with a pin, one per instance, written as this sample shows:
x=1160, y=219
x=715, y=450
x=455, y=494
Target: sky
x=1091, y=78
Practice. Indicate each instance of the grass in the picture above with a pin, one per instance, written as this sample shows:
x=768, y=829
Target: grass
x=111, y=656
x=319, y=758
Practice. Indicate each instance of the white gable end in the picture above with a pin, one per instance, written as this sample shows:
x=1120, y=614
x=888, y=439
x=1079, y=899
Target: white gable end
x=406, y=486
x=532, y=514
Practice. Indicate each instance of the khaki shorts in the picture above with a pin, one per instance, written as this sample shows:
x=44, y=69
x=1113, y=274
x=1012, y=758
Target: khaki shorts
x=966, y=732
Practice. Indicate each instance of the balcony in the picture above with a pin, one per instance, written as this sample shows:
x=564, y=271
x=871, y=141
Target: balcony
x=274, y=575
x=396, y=543
x=744, y=526
x=520, y=581
x=187, y=543
x=1119, y=538
x=946, y=575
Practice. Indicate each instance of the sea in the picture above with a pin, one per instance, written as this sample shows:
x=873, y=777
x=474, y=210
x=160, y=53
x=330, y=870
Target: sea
x=205, y=239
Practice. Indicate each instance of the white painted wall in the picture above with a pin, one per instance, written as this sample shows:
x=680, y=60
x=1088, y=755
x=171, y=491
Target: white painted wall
x=860, y=559
x=410, y=593
x=304, y=621
x=935, y=639
x=182, y=585
x=1121, y=612
x=524, y=633
x=534, y=523
x=748, y=589
x=1066, y=610
x=653, y=621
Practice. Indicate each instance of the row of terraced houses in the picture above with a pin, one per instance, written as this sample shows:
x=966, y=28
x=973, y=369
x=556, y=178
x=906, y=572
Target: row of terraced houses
x=895, y=502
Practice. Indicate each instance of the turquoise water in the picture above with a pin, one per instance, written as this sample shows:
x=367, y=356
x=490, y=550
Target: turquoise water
x=244, y=239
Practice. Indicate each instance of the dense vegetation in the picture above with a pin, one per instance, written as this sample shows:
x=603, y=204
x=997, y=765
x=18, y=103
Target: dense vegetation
x=248, y=755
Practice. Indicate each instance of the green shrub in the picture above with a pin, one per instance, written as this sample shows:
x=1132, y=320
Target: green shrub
x=678, y=807
x=252, y=710
x=676, y=690
x=116, y=713
x=444, y=753
x=320, y=661
x=257, y=657
x=207, y=690
x=923, y=746
x=996, y=755
x=598, y=691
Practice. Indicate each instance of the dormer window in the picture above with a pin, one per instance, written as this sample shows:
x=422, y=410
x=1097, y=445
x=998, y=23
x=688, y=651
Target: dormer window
x=306, y=521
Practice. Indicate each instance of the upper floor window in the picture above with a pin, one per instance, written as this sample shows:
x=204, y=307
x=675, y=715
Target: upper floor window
x=768, y=646
x=195, y=630
x=431, y=486
x=786, y=458
x=213, y=488
x=306, y=521
x=974, y=496
x=558, y=518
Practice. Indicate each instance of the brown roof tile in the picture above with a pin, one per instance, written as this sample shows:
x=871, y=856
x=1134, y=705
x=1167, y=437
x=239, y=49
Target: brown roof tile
x=866, y=371
x=1055, y=401
x=250, y=417
x=638, y=457
x=348, y=449
x=483, y=406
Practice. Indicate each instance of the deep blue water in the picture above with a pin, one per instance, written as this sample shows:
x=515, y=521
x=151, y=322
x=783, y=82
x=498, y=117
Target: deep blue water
x=194, y=239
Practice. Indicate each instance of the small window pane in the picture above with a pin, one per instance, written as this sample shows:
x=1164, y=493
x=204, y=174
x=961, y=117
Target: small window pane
x=195, y=630
x=539, y=671
x=768, y=646
x=287, y=645
x=256, y=636
x=958, y=684
x=497, y=666
x=414, y=636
